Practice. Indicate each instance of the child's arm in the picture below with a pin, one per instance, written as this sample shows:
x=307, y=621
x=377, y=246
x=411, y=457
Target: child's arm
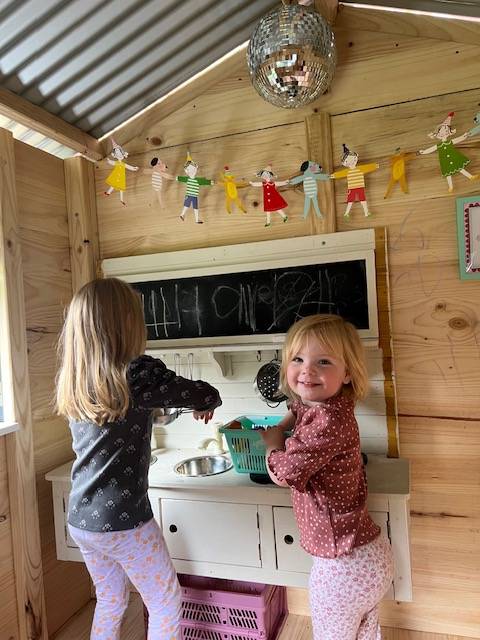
x=255, y=184
x=341, y=173
x=274, y=438
x=307, y=451
x=368, y=168
x=205, y=182
x=281, y=183
x=461, y=138
x=296, y=180
x=152, y=386
x=429, y=150
x=131, y=167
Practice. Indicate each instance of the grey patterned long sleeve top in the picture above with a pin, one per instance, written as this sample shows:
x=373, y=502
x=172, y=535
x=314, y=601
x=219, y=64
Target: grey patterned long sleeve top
x=110, y=473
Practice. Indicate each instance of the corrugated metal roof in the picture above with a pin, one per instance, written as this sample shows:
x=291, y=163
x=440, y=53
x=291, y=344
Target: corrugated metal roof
x=96, y=63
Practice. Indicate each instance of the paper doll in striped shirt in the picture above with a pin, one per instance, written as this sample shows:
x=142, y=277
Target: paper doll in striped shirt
x=354, y=173
x=311, y=174
x=158, y=172
x=193, y=187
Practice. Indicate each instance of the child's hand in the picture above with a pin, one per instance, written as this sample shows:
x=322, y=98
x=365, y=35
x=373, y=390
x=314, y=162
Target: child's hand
x=274, y=437
x=206, y=416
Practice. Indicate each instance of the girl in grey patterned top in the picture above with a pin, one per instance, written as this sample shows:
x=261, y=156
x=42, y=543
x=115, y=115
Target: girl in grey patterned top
x=107, y=388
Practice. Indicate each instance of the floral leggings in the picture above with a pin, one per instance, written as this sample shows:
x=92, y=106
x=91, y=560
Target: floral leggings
x=141, y=555
x=345, y=592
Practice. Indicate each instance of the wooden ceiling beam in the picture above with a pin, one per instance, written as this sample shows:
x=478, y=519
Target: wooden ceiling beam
x=20, y=110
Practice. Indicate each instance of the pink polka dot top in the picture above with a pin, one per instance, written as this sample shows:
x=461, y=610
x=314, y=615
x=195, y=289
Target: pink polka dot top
x=323, y=466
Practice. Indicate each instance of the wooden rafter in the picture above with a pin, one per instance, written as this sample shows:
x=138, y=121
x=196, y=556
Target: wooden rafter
x=49, y=125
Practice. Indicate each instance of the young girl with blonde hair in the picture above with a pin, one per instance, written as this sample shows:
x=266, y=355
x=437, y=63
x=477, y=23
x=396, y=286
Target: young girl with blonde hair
x=324, y=373
x=107, y=388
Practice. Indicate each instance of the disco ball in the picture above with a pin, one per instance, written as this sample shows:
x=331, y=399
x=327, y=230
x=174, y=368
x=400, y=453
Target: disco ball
x=291, y=56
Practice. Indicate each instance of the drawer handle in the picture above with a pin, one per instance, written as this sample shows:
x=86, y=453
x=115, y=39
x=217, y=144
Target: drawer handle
x=173, y=528
x=288, y=539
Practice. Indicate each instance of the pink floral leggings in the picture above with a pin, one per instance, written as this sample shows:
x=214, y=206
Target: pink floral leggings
x=142, y=555
x=345, y=592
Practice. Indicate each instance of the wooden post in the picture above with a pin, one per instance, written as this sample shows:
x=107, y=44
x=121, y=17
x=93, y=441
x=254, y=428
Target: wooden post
x=385, y=338
x=328, y=9
x=20, y=462
x=82, y=221
x=319, y=146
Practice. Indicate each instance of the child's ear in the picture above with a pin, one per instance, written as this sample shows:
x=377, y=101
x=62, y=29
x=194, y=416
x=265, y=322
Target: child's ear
x=347, y=379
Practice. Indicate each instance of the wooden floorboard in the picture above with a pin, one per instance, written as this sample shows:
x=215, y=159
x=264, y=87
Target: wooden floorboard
x=295, y=627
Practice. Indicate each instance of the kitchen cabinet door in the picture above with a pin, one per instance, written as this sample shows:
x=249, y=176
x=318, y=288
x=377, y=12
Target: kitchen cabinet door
x=217, y=532
x=290, y=555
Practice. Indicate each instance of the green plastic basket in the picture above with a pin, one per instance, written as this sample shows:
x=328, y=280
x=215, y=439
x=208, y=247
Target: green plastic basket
x=246, y=445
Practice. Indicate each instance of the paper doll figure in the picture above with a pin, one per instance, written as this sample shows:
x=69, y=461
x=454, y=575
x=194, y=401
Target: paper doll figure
x=193, y=187
x=117, y=179
x=272, y=200
x=475, y=131
x=398, y=171
x=451, y=160
x=312, y=173
x=231, y=194
x=354, y=173
x=158, y=173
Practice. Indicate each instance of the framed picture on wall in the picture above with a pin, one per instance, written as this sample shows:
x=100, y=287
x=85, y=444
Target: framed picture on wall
x=468, y=235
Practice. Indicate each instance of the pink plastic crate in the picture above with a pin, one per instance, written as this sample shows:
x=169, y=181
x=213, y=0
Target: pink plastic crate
x=214, y=609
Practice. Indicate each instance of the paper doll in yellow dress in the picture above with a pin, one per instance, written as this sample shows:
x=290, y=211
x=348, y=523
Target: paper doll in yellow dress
x=231, y=194
x=117, y=179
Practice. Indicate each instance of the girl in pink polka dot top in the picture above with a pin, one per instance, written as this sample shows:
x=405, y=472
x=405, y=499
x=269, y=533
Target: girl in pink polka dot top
x=324, y=373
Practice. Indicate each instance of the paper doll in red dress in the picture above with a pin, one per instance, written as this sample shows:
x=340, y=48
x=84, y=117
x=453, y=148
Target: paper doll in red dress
x=451, y=160
x=272, y=200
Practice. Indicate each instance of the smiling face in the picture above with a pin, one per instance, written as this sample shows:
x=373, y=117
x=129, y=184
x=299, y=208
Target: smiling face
x=314, y=373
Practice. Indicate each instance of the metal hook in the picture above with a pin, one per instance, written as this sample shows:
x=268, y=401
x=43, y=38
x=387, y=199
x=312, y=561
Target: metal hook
x=259, y=356
x=276, y=354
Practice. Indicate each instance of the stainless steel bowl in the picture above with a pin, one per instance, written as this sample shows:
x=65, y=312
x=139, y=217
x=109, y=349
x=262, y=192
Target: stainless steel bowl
x=201, y=466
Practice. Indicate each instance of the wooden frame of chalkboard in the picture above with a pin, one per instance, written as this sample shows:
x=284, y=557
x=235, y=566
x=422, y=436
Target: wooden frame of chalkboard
x=245, y=296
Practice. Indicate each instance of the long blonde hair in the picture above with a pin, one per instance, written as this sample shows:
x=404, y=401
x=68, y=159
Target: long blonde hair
x=104, y=331
x=340, y=338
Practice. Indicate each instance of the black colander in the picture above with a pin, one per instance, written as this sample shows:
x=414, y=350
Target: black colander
x=267, y=381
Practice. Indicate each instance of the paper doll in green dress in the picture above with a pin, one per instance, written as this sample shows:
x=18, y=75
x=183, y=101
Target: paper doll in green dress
x=451, y=160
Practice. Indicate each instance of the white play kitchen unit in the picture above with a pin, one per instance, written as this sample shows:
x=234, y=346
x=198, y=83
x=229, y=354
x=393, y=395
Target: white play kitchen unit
x=225, y=525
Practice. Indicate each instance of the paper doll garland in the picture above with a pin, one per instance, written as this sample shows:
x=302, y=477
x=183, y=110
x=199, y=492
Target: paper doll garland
x=398, y=173
x=158, y=173
x=451, y=160
x=272, y=200
x=117, y=178
x=312, y=173
x=475, y=131
x=231, y=186
x=355, y=175
x=193, y=184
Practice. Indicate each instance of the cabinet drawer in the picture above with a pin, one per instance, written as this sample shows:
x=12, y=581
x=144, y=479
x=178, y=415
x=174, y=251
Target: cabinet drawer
x=217, y=532
x=290, y=555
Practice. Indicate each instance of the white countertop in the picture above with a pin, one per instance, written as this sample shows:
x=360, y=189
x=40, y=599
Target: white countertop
x=385, y=476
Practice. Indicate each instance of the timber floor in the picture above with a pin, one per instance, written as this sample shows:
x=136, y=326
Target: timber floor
x=295, y=627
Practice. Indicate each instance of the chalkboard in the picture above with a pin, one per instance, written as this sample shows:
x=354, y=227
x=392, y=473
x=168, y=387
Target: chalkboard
x=251, y=303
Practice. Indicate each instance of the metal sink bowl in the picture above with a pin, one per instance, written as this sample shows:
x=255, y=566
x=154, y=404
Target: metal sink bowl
x=202, y=466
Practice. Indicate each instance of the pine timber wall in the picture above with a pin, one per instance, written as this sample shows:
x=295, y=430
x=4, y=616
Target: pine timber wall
x=45, y=245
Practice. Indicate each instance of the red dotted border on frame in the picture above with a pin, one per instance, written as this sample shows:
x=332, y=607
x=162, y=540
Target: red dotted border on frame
x=466, y=227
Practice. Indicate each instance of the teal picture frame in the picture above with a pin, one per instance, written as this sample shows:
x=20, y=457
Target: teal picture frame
x=468, y=237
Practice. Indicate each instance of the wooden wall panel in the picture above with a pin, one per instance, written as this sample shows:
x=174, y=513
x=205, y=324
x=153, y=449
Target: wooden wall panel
x=398, y=77
x=8, y=598
x=47, y=280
